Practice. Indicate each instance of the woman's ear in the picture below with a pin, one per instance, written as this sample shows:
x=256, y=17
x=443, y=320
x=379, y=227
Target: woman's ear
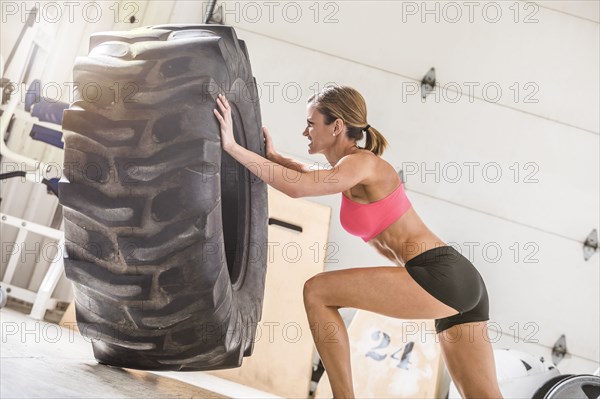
x=339, y=126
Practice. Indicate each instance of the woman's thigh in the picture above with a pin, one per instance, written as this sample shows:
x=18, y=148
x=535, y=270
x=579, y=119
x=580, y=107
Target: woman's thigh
x=387, y=290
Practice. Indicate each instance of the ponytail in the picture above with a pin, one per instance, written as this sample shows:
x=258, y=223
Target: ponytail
x=375, y=142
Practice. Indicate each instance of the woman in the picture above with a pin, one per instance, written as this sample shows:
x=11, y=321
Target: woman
x=435, y=282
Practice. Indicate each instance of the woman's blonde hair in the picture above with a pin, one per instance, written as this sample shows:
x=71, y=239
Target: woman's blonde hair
x=348, y=104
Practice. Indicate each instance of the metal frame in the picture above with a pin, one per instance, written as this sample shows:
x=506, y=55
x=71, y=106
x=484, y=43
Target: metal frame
x=42, y=298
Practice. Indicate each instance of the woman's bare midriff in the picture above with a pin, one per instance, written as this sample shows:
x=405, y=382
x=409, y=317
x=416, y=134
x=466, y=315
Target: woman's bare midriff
x=406, y=238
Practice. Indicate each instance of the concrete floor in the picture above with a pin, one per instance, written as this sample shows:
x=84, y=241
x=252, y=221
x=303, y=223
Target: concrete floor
x=43, y=360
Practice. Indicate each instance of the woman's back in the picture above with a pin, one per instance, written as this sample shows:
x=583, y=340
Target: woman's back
x=379, y=211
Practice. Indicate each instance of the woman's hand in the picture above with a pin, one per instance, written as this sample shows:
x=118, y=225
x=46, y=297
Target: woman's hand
x=227, y=138
x=269, y=148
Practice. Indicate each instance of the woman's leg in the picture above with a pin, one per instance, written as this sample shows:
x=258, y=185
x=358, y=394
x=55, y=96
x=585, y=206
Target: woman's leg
x=389, y=291
x=468, y=354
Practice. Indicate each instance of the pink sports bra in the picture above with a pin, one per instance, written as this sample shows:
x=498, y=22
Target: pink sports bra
x=368, y=220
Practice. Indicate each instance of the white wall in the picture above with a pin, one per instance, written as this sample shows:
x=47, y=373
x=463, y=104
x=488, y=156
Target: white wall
x=544, y=143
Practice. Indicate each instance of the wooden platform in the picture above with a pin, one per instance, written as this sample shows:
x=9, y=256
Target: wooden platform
x=43, y=360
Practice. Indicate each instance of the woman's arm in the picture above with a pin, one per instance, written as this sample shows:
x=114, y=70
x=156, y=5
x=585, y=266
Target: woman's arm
x=348, y=172
x=289, y=163
x=274, y=156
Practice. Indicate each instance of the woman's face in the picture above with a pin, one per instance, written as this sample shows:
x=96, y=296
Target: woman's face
x=319, y=134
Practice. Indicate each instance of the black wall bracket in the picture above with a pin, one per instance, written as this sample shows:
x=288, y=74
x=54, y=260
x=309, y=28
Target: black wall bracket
x=590, y=246
x=428, y=83
x=559, y=350
x=212, y=15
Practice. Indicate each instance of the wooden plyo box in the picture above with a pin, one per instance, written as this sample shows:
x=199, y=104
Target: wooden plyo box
x=283, y=352
x=391, y=358
x=68, y=319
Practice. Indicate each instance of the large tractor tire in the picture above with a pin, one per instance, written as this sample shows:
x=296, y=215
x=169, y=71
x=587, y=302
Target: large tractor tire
x=165, y=233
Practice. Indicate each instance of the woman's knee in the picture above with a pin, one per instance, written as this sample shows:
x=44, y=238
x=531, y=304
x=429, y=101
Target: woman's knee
x=313, y=291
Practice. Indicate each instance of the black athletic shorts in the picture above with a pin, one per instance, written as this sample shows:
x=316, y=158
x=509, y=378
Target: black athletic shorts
x=450, y=277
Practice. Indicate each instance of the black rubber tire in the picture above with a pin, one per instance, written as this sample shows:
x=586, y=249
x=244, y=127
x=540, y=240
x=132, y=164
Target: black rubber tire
x=165, y=233
x=570, y=386
x=541, y=392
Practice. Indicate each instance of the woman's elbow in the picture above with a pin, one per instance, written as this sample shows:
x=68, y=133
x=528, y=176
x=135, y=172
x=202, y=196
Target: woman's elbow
x=294, y=192
x=298, y=190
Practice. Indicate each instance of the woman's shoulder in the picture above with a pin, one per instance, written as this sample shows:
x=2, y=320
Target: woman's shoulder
x=382, y=170
x=382, y=180
x=360, y=158
x=367, y=156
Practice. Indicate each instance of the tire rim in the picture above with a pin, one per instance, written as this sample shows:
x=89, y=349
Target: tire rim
x=576, y=387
